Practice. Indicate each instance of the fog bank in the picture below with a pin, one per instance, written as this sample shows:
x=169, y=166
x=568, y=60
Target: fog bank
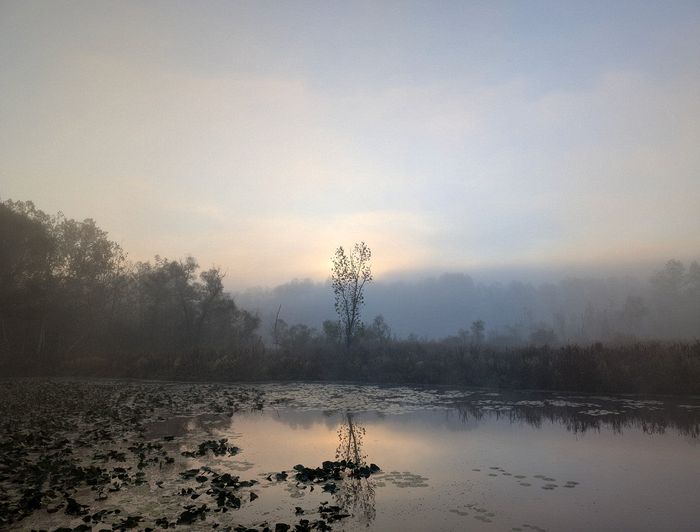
x=663, y=304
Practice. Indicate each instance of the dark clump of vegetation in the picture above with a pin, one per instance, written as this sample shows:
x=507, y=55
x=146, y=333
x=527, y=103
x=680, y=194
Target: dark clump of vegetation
x=218, y=448
x=333, y=470
x=70, y=451
x=67, y=447
x=72, y=305
x=70, y=301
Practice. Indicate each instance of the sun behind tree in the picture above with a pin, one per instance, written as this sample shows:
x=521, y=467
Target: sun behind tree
x=349, y=274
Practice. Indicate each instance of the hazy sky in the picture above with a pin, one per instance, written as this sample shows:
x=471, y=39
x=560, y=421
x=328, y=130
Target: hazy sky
x=258, y=136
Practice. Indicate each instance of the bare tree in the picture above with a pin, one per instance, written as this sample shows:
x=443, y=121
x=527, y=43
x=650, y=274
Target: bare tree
x=349, y=274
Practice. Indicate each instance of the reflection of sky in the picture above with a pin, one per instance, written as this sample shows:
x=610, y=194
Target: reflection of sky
x=656, y=473
x=447, y=136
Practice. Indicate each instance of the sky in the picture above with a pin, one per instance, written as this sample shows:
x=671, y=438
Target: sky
x=450, y=136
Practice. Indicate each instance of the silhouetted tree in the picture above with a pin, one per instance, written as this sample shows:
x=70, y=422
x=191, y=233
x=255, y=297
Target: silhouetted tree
x=67, y=294
x=210, y=291
x=331, y=331
x=693, y=289
x=26, y=247
x=667, y=289
x=349, y=274
x=59, y=281
x=378, y=331
x=477, y=330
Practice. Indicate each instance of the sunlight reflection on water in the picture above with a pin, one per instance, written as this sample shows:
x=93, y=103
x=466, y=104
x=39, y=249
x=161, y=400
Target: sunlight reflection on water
x=463, y=459
x=451, y=459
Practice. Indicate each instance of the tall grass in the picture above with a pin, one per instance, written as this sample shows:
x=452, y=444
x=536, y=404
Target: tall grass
x=648, y=367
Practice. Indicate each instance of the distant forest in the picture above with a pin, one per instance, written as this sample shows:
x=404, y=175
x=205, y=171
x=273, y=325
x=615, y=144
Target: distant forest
x=72, y=304
x=665, y=305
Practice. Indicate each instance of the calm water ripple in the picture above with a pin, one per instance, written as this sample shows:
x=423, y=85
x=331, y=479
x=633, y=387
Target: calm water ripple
x=203, y=456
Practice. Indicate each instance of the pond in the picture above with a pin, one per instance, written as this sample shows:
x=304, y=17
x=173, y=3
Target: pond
x=345, y=457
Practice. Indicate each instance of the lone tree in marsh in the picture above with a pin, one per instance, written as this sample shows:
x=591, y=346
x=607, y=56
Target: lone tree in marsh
x=349, y=274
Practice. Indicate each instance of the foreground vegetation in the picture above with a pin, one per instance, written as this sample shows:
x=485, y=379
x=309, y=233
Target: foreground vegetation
x=71, y=304
x=77, y=455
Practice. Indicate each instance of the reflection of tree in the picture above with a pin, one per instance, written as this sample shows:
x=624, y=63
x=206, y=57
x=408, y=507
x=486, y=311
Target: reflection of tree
x=355, y=494
x=350, y=436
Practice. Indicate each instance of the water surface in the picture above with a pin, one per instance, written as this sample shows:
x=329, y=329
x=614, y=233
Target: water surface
x=488, y=461
x=450, y=459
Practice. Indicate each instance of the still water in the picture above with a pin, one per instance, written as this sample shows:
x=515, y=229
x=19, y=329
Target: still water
x=449, y=459
x=457, y=460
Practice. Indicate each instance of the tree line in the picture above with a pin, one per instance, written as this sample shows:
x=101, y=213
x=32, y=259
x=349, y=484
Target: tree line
x=68, y=294
x=71, y=303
